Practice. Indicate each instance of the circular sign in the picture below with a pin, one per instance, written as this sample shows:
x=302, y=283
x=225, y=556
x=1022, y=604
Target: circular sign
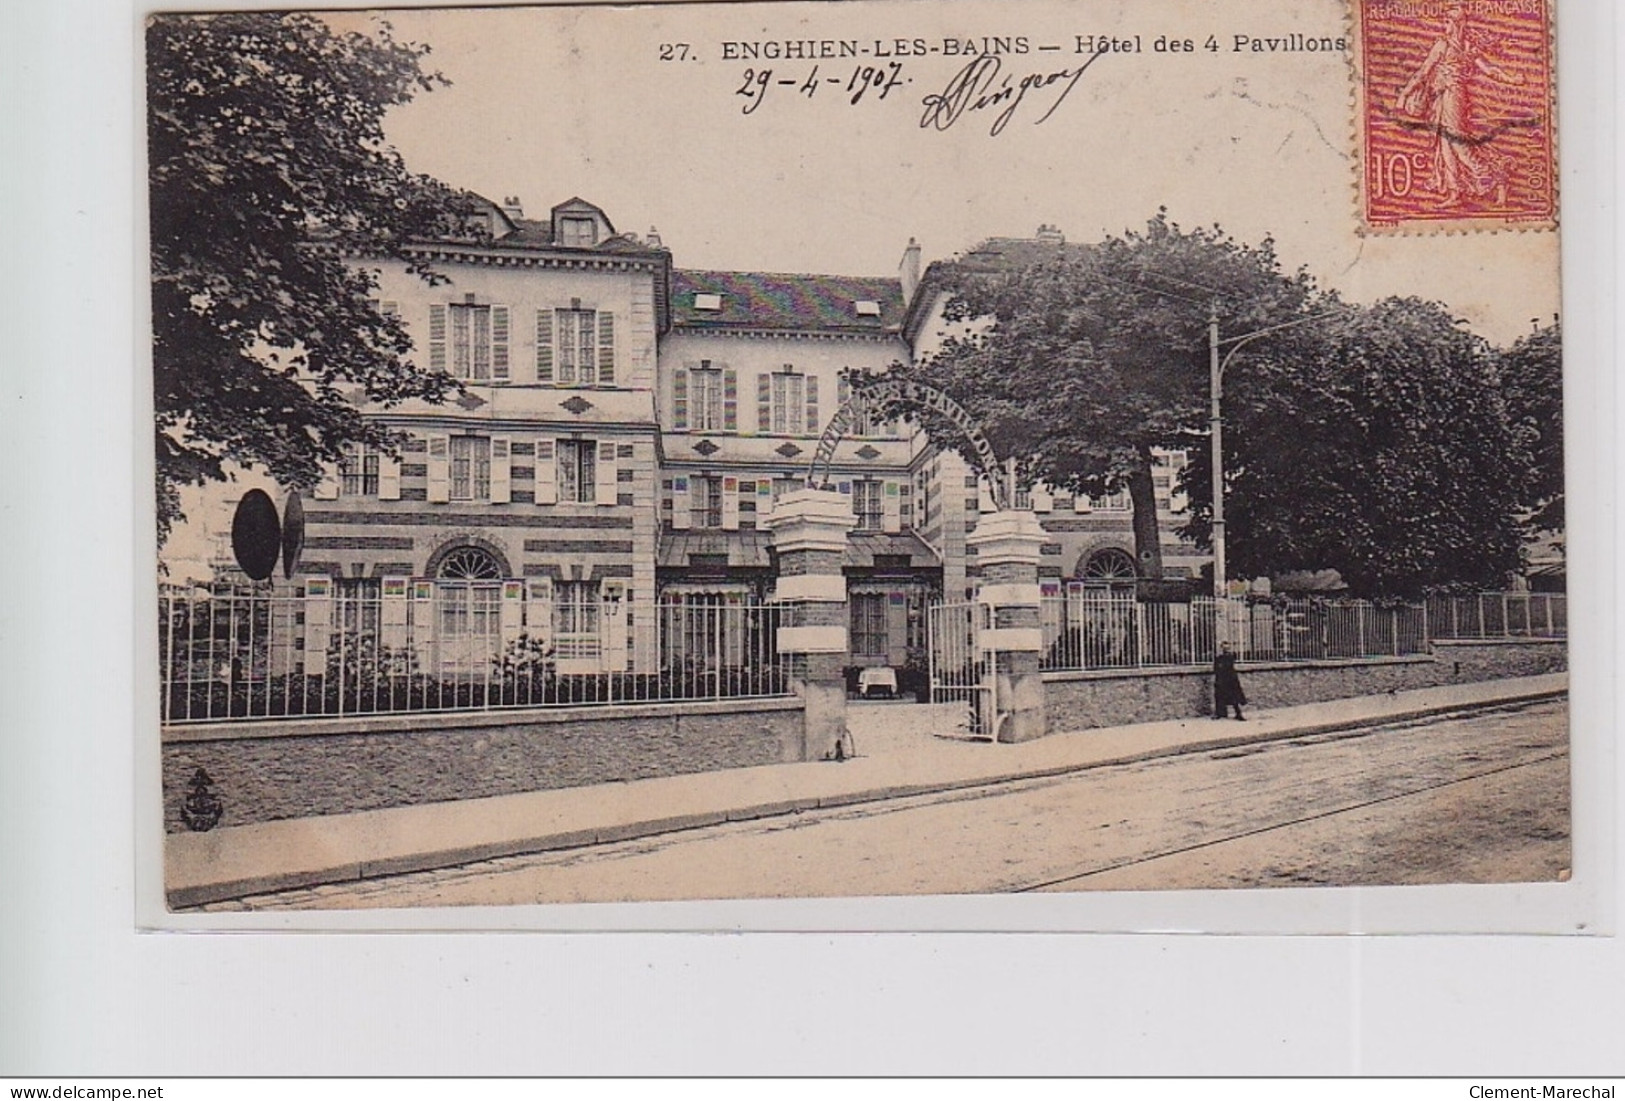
x=256, y=535
x=293, y=533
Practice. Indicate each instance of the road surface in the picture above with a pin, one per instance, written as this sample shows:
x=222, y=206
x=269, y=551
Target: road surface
x=1474, y=799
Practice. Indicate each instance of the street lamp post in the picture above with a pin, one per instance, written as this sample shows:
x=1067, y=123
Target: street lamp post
x=1216, y=366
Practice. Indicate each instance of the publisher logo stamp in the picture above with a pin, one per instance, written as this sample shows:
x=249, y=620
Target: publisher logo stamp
x=1456, y=126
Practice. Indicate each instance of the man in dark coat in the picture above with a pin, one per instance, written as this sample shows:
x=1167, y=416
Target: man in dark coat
x=1227, y=691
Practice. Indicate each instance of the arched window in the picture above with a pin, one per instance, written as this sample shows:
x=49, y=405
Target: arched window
x=470, y=564
x=1111, y=569
x=469, y=593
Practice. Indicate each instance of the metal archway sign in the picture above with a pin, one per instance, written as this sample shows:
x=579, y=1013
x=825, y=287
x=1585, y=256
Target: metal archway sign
x=875, y=395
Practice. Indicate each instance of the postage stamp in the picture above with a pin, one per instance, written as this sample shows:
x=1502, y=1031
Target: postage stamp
x=1455, y=114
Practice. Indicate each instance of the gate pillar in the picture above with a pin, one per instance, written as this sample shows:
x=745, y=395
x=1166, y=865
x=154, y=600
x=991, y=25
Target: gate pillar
x=808, y=528
x=1008, y=549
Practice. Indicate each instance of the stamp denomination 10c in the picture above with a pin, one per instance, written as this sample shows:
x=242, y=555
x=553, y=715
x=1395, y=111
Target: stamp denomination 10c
x=1455, y=114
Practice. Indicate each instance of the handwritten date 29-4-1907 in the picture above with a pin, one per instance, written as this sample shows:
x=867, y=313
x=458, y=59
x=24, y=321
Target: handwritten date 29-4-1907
x=863, y=80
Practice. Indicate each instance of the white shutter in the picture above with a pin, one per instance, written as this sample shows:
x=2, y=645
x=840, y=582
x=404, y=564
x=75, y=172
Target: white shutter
x=1043, y=499
x=501, y=465
x=547, y=473
x=318, y=624
x=764, y=498
x=437, y=338
x=544, y=347
x=680, y=505
x=392, y=632
x=607, y=474
x=499, y=343
x=539, y=610
x=679, y=400
x=1080, y=502
x=327, y=487
x=891, y=504
x=730, y=503
x=511, y=611
x=389, y=478
x=814, y=425
x=606, y=348
x=439, y=469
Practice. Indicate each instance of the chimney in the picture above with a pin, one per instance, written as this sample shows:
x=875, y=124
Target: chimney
x=1050, y=235
x=654, y=238
x=909, y=270
x=511, y=207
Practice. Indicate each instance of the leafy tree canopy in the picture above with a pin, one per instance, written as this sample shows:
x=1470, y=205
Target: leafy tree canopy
x=1380, y=448
x=268, y=168
x=1084, y=358
x=1532, y=383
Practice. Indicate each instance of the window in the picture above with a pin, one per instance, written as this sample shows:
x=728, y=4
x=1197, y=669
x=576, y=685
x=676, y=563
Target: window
x=1112, y=502
x=358, y=602
x=789, y=484
x=707, y=502
x=470, y=468
x=477, y=342
x=705, y=397
x=468, y=609
x=575, y=606
x=358, y=472
x=869, y=624
x=471, y=342
x=578, y=366
x=867, y=504
x=789, y=399
x=578, y=466
x=578, y=232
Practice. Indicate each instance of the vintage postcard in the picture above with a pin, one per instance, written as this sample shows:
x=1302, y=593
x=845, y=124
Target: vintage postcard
x=1044, y=458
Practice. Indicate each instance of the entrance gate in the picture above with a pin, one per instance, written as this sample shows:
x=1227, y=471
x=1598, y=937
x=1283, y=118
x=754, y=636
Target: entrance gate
x=962, y=671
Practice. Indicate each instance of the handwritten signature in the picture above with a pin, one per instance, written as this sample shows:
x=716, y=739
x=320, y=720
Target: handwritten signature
x=978, y=87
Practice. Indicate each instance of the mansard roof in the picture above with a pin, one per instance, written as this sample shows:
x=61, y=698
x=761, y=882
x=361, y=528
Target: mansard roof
x=791, y=303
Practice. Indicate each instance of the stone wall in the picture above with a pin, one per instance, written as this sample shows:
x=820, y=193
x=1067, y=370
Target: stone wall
x=1081, y=701
x=268, y=770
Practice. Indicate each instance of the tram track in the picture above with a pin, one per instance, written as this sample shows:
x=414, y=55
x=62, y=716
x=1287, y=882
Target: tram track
x=1276, y=827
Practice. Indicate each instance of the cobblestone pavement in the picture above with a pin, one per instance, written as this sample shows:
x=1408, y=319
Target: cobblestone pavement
x=1482, y=798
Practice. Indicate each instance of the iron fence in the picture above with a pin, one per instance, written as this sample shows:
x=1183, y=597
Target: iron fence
x=1499, y=615
x=248, y=652
x=1091, y=630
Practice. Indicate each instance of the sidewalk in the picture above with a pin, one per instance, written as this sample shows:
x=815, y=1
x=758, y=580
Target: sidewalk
x=305, y=852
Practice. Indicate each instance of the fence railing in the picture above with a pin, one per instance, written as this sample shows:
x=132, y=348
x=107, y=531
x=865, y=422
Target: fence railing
x=1105, y=631
x=1499, y=615
x=442, y=646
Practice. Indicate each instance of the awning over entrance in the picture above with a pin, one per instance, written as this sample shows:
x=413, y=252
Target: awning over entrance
x=867, y=550
x=687, y=550
x=716, y=549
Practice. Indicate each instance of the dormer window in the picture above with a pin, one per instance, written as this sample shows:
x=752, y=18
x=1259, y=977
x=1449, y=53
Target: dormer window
x=578, y=232
x=708, y=302
x=866, y=308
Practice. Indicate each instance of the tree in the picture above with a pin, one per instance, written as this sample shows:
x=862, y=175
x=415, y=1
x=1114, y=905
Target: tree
x=1532, y=385
x=1091, y=356
x=1380, y=447
x=268, y=174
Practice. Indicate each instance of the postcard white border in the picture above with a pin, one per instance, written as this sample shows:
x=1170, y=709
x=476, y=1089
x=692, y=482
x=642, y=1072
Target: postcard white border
x=87, y=993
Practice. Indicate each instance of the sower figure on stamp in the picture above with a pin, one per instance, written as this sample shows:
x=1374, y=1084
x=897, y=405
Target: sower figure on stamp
x=1441, y=92
x=1227, y=691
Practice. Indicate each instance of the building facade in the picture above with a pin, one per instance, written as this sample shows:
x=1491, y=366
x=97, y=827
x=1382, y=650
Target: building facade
x=624, y=432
